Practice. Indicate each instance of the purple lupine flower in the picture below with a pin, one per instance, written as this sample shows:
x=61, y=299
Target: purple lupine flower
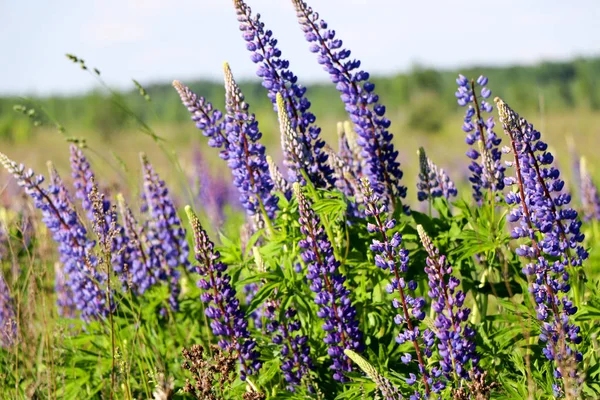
x=428, y=185
x=590, y=199
x=80, y=265
x=165, y=230
x=345, y=179
x=327, y=282
x=391, y=256
x=279, y=79
x=456, y=344
x=247, y=159
x=208, y=119
x=362, y=104
x=348, y=148
x=295, y=351
x=280, y=184
x=448, y=187
x=487, y=171
x=64, y=295
x=8, y=322
x=553, y=248
x=223, y=308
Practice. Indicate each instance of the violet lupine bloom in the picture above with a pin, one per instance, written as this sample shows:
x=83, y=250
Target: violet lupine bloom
x=247, y=159
x=279, y=79
x=590, y=199
x=222, y=307
x=8, y=322
x=428, y=185
x=327, y=283
x=75, y=249
x=456, y=344
x=348, y=149
x=391, y=256
x=362, y=104
x=208, y=119
x=295, y=351
x=554, y=247
x=280, y=184
x=487, y=171
x=345, y=180
x=447, y=185
x=165, y=230
x=64, y=296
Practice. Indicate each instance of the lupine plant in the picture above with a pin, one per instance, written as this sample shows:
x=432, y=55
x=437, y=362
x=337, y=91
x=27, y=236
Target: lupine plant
x=316, y=279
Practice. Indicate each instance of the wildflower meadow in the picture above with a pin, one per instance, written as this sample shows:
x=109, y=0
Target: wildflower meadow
x=300, y=269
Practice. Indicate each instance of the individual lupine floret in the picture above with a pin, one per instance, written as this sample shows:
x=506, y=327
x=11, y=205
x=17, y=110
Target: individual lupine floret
x=554, y=241
x=247, y=158
x=208, y=119
x=456, y=344
x=8, y=321
x=59, y=215
x=295, y=351
x=223, y=308
x=165, y=229
x=280, y=184
x=362, y=104
x=487, y=171
x=428, y=185
x=590, y=199
x=391, y=256
x=384, y=386
x=278, y=79
x=326, y=281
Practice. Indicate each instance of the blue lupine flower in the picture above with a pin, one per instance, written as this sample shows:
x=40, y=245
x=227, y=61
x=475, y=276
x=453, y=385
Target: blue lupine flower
x=447, y=185
x=590, y=199
x=222, y=307
x=81, y=267
x=295, y=351
x=487, y=172
x=456, y=344
x=428, y=185
x=327, y=283
x=246, y=155
x=391, y=256
x=362, y=104
x=554, y=238
x=8, y=322
x=279, y=79
x=64, y=295
x=165, y=230
x=348, y=149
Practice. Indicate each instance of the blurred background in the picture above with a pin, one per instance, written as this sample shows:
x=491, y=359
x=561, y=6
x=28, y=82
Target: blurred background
x=542, y=58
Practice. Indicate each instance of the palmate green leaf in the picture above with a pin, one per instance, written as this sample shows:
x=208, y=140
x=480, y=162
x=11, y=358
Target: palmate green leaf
x=261, y=295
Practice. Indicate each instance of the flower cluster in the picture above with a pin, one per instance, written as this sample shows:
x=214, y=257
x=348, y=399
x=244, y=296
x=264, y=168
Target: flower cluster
x=433, y=181
x=294, y=346
x=362, y=104
x=456, y=339
x=487, y=173
x=391, y=256
x=223, y=308
x=165, y=231
x=247, y=158
x=280, y=184
x=327, y=283
x=348, y=148
x=8, y=323
x=589, y=194
x=554, y=247
x=279, y=79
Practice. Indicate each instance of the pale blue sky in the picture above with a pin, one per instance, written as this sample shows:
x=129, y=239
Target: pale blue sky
x=162, y=40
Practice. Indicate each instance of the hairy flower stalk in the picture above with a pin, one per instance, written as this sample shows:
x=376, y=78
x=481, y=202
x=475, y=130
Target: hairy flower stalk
x=8, y=322
x=487, y=171
x=279, y=79
x=554, y=243
x=362, y=104
x=295, y=351
x=348, y=149
x=280, y=184
x=247, y=158
x=384, y=386
x=223, y=308
x=335, y=308
x=456, y=344
x=165, y=230
x=590, y=199
x=390, y=256
x=58, y=213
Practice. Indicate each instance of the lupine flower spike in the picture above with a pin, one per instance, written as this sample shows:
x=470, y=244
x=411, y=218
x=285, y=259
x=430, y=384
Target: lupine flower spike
x=278, y=79
x=280, y=184
x=391, y=256
x=433, y=181
x=384, y=386
x=222, y=307
x=553, y=248
x=590, y=199
x=340, y=322
x=456, y=344
x=487, y=171
x=362, y=104
x=8, y=322
x=294, y=149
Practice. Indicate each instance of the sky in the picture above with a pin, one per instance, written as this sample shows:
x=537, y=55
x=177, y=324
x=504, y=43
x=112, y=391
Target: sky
x=162, y=40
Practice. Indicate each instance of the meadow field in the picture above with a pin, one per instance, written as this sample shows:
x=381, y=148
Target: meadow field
x=429, y=235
